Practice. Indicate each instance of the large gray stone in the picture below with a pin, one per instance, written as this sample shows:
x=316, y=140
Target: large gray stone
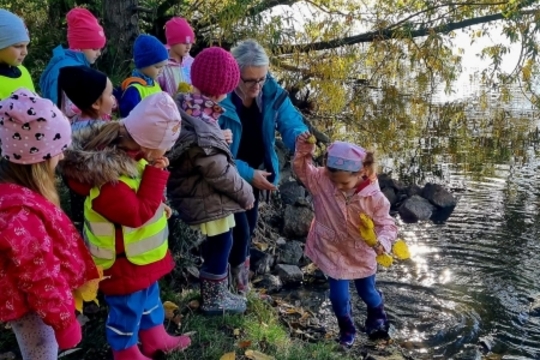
x=270, y=283
x=415, y=208
x=297, y=221
x=390, y=194
x=261, y=262
x=289, y=274
x=439, y=196
x=291, y=191
x=290, y=253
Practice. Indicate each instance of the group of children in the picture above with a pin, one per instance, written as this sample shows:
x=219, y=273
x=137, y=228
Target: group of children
x=119, y=172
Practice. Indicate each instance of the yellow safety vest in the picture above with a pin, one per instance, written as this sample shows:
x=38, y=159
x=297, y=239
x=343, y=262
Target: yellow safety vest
x=143, y=245
x=9, y=85
x=147, y=90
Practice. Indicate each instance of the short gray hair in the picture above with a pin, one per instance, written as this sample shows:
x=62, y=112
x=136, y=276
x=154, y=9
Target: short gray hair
x=250, y=53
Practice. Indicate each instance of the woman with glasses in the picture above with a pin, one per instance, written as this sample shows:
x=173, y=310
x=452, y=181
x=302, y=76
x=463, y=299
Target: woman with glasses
x=253, y=112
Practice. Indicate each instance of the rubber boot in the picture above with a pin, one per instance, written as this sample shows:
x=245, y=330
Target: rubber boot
x=216, y=297
x=132, y=353
x=240, y=278
x=347, y=331
x=377, y=324
x=156, y=340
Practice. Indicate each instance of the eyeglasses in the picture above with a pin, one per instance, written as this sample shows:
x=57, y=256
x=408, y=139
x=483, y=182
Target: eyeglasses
x=253, y=82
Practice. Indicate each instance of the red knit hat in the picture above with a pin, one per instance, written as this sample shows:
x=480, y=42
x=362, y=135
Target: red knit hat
x=83, y=30
x=178, y=31
x=214, y=72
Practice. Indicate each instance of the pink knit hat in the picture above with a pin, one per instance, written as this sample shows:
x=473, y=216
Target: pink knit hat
x=215, y=72
x=83, y=30
x=178, y=31
x=345, y=156
x=155, y=122
x=32, y=129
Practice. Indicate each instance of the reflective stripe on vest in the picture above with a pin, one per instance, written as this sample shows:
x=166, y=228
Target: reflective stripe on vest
x=9, y=85
x=143, y=245
x=146, y=90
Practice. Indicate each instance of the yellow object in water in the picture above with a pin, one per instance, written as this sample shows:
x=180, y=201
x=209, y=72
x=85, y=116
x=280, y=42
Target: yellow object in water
x=88, y=291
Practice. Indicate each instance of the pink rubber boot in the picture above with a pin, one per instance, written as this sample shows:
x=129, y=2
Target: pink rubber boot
x=132, y=353
x=156, y=339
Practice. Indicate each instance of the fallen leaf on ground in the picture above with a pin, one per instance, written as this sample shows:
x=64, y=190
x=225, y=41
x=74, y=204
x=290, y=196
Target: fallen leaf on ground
x=256, y=355
x=236, y=332
x=244, y=344
x=194, y=304
x=228, y=356
x=169, y=307
x=260, y=245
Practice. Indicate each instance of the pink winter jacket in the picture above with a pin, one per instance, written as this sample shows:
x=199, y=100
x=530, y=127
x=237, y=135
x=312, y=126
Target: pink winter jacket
x=334, y=243
x=174, y=73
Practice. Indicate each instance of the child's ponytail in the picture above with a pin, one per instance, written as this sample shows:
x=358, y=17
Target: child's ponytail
x=109, y=135
x=369, y=164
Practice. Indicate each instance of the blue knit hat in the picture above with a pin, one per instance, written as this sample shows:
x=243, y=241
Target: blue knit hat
x=148, y=50
x=12, y=29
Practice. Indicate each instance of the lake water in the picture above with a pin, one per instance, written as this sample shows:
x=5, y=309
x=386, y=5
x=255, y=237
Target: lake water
x=474, y=275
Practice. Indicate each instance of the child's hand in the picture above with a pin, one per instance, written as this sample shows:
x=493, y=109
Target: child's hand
x=161, y=163
x=168, y=211
x=379, y=249
x=249, y=207
x=228, y=135
x=305, y=137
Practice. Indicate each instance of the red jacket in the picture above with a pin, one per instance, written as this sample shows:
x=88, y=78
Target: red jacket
x=118, y=203
x=42, y=259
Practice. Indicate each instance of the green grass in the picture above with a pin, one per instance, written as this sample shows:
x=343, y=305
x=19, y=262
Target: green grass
x=259, y=329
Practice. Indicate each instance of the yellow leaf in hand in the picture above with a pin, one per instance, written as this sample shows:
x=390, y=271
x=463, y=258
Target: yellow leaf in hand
x=385, y=260
x=401, y=250
x=311, y=140
x=367, y=230
x=228, y=356
x=88, y=291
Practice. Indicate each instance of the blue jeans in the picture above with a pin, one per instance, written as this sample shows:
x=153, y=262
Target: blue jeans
x=128, y=314
x=215, y=252
x=340, y=297
x=246, y=222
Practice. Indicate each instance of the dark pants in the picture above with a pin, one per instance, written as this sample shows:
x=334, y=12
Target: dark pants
x=246, y=222
x=340, y=298
x=215, y=252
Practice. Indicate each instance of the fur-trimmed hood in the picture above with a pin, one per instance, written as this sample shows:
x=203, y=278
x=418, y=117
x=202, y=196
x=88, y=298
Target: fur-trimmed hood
x=95, y=166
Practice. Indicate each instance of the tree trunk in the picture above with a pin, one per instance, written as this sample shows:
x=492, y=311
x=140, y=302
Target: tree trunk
x=121, y=28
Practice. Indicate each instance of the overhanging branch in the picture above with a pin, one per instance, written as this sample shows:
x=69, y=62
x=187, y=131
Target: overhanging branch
x=387, y=34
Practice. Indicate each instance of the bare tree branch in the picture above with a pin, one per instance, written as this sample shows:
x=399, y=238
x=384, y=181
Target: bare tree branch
x=387, y=34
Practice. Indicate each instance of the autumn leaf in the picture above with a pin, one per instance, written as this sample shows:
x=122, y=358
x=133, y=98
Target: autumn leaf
x=88, y=291
x=194, y=304
x=236, y=332
x=256, y=355
x=228, y=356
x=170, y=308
x=244, y=344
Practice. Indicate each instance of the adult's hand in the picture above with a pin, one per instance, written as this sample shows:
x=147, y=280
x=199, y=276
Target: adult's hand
x=260, y=181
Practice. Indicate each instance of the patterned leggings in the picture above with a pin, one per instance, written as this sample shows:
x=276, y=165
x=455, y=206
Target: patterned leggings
x=36, y=340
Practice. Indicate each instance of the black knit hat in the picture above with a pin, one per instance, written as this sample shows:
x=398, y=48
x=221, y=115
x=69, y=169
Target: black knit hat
x=82, y=85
